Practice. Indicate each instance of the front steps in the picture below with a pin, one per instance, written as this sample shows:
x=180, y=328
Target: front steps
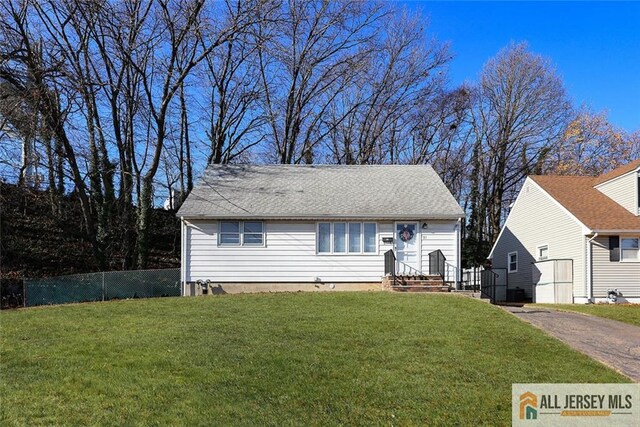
x=424, y=283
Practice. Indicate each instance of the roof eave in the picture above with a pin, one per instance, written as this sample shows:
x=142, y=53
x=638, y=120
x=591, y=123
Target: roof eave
x=325, y=217
x=616, y=231
x=600, y=183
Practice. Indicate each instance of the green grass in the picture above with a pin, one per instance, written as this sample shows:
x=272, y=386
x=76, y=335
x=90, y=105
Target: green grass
x=276, y=359
x=627, y=313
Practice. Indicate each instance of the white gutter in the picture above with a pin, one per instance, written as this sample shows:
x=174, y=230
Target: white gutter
x=458, y=253
x=589, y=269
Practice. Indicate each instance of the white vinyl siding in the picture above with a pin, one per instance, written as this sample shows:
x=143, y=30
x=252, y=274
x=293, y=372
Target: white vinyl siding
x=290, y=254
x=535, y=220
x=438, y=235
x=623, y=190
x=624, y=276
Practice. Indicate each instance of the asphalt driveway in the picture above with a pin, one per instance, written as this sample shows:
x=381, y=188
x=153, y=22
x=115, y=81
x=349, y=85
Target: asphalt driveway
x=614, y=343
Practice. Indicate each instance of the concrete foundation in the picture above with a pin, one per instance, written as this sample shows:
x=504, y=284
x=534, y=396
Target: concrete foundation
x=214, y=288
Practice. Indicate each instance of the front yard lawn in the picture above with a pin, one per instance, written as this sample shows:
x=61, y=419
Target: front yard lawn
x=627, y=313
x=276, y=359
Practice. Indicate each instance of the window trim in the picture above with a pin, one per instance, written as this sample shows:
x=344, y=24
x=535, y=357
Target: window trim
x=538, y=257
x=347, y=237
x=509, y=270
x=241, y=243
x=622, y=238
x=638, y=194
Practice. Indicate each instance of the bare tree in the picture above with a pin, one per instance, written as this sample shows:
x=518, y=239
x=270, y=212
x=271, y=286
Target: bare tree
x=235, y=121
x=520, y=111
x=307, y=58
x=39, y=85
x=442, y=138
x=399, y=73
x=181, y=36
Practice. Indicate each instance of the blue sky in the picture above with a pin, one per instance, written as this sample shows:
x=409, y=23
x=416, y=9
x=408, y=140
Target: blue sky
x=595, y=46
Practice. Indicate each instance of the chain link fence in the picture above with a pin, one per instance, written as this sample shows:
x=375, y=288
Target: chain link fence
x=104, y=286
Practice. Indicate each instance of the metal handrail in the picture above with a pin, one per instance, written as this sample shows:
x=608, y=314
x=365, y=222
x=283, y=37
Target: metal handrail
x=407, y=270
x=450, y=268
x=393, y=267
x=491, y=296
x=390, y=265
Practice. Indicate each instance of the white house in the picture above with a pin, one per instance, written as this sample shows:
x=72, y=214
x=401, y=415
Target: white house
x=248, y=228
x=574, y=238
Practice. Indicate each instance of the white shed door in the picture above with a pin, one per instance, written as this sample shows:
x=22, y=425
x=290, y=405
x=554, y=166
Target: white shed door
x=407, y=246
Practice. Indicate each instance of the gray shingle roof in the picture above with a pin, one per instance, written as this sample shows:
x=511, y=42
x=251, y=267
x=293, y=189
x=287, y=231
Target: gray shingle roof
x=320, y=191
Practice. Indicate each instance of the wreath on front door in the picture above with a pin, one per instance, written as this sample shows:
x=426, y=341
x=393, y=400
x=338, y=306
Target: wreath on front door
x=405, y=234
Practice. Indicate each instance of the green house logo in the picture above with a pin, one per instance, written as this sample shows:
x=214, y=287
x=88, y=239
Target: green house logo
x=528, y=406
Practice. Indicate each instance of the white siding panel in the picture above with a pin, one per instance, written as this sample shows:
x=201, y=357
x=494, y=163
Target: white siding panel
x=536, y=219
x=439, y=235
x=624, y=276
x=290, y=255
x=623, y=191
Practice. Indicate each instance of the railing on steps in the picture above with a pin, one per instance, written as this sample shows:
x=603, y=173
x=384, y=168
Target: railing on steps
x=451, y=273
x=394, y=268
x=390, y=266
x=488, y=285
x=406, y=270
x=438, y=265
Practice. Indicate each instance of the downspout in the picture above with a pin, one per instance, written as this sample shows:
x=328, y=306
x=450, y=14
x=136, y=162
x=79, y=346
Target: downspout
x=183, y=273
x=589, y=268
x=458, y=254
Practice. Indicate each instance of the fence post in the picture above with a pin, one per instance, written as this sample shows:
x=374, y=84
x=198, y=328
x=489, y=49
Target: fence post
x=24, y=293
x=493, y=292
x=103, y=293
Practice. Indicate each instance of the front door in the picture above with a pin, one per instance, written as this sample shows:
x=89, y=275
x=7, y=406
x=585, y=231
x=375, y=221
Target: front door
x=407, y=245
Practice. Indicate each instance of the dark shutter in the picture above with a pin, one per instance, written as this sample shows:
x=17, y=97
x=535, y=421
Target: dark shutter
x=614, y=248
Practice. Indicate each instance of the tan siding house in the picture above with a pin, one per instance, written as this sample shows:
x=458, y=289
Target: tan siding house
x=618, y=190
x=533, y=210
x=593, y=222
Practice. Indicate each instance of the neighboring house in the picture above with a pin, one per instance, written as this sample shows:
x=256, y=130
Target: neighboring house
x=313, y=227
x=591, y=225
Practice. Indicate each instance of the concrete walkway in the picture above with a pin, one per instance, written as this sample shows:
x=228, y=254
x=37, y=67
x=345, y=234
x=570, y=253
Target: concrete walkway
x=614, y=343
